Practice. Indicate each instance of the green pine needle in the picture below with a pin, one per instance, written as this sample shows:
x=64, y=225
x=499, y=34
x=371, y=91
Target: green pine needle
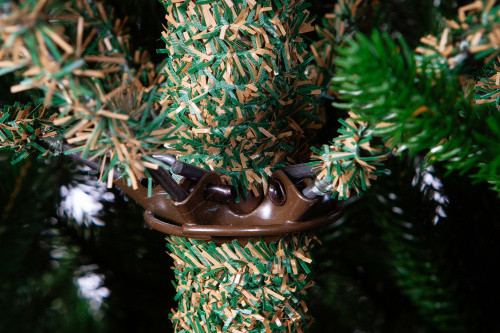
x=418, y=103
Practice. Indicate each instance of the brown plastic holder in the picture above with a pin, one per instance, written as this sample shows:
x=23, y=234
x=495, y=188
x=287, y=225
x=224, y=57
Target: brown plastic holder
x=203, y=215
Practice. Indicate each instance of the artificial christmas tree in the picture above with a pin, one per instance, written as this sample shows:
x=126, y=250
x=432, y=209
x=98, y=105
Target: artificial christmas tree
x=237, y=103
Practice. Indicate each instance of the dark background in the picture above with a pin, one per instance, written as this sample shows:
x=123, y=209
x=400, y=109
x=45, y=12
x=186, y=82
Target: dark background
x=416, y=253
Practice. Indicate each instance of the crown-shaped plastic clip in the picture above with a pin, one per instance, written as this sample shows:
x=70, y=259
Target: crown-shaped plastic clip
x=201, y=206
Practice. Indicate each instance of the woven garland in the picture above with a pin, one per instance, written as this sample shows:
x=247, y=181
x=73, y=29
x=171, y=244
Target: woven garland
x=233, y=288
x=351, y=160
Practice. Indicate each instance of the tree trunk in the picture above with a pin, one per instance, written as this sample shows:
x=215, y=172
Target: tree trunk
x=233, y=288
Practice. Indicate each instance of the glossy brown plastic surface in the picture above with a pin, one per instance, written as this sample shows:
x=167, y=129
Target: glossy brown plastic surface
x=283, y=211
